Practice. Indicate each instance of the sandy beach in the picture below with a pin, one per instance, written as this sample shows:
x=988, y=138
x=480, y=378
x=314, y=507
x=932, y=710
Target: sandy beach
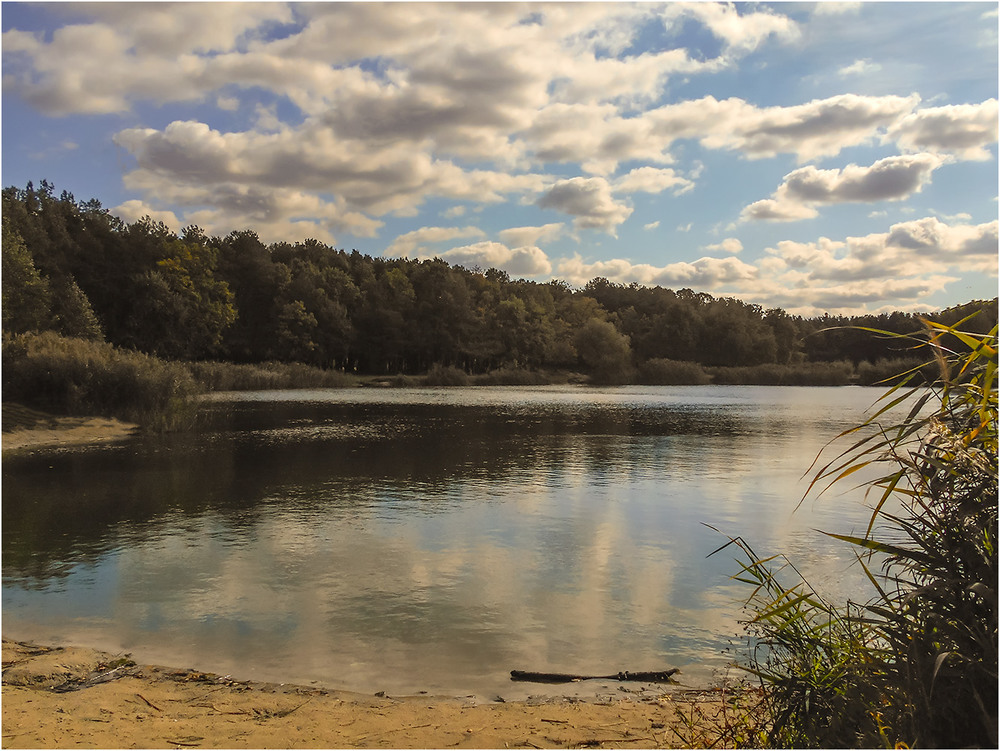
x=75, y=697
x=25, y=429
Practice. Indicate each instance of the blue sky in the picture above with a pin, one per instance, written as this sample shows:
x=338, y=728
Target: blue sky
x=820, y=157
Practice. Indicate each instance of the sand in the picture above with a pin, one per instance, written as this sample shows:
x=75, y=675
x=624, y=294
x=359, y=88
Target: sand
x=25, y=429
x=75, y=697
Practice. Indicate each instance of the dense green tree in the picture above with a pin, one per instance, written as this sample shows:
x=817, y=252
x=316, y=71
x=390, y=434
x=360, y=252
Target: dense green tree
x=71, y=267
x=26, y=293
x=605, y=351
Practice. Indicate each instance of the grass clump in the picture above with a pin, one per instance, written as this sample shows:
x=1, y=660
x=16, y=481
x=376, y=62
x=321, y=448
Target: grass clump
x=446, y=375
x=664, y=372
x=84, y=377
x=227, y=376
x=838, y=373
x=916, y=665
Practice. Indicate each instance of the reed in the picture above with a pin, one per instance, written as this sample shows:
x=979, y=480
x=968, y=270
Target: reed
x=915, y=665
x=83, y=377
x=227, y=376
x=840, y=373
x=664, y=372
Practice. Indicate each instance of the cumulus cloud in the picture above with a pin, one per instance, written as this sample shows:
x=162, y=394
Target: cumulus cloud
x=703, y=274
x=729, y=245
x=908, y=250
x=522, y=261
x=741, y=32
x=589, y=199
x=890, y=179
x=522, y=236
x=133, y=210
x=819, y=128
x=963, y=130
x=409, y=242
x=652, y=180
x=859, y=68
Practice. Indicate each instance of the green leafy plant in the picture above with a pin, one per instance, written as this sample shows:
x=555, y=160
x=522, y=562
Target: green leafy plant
x=917, y=664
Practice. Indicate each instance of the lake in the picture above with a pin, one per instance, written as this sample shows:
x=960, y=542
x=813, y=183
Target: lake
x=411, y=540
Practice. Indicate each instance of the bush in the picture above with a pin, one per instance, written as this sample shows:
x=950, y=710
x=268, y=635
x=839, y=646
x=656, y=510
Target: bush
x=891, y=371
x=772, y=374
x=446, y=375
x=917, y=664
x=512, y=377
x=83, y=377
x=225, y=376
x=663, y=372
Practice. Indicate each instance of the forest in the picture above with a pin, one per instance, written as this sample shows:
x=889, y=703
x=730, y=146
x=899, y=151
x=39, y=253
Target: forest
x=72, y=268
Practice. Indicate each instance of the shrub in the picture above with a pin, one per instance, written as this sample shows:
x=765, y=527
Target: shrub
x=446, y=375
x=512, y=377
x=664, y=372
x=890, y=371
x=838, y=373
x=225, y=376
x=917, y=664
x=83, y=377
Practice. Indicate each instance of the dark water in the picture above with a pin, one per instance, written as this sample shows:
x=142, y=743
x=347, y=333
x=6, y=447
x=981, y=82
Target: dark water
x=408, y=540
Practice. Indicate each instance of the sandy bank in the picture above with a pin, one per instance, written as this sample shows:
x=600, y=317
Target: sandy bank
x=65, y=697
x=25, y=428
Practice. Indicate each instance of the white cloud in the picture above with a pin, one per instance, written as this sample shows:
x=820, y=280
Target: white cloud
x=522, y=236
x=410, y=242
x=859, y=68
x=819, y=128
x=891, y=179
x=833, y=8
x=521, y=261
x=589, y=199
x=907, y=251
x=963, y=130
x=652, y=180
x=651, y=226
x=729, y=245
x=132, y=211
x=741, y=32
x=703, y=274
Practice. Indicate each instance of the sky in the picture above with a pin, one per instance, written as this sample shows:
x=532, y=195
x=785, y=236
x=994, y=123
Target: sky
x=822, y=158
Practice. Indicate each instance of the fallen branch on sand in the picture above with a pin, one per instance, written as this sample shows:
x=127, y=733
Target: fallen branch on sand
x=655, y=676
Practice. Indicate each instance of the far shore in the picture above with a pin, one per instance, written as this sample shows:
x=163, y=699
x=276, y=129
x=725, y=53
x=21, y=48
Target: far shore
x=68, y=696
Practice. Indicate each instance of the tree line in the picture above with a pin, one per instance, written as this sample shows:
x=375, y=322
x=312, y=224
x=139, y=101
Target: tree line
x=71, y=267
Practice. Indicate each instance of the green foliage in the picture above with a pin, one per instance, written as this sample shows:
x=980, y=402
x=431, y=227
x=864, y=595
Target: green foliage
x=799, y=374
x=605, y=351
x=917, y=664
x=663, y=372
x=26, y=294
x=81, y=272
x=226, y=376
x=81, y=377
x=446, y=375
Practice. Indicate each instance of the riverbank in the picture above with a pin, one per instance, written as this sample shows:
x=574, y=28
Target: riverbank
x=66, y=697
x=25, y=428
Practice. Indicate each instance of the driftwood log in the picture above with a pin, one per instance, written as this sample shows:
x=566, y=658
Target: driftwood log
x=655, y=676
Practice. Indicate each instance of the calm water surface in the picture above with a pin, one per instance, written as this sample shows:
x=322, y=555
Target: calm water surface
x=428, y=539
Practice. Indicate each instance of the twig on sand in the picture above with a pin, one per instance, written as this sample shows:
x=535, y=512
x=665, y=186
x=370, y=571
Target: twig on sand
x=149, y=702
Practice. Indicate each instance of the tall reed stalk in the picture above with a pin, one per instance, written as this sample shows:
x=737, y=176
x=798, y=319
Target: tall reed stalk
x=916, y=665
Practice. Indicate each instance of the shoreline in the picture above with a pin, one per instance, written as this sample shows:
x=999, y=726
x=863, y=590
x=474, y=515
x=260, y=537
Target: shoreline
x=25, y=429
x=68, y=696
